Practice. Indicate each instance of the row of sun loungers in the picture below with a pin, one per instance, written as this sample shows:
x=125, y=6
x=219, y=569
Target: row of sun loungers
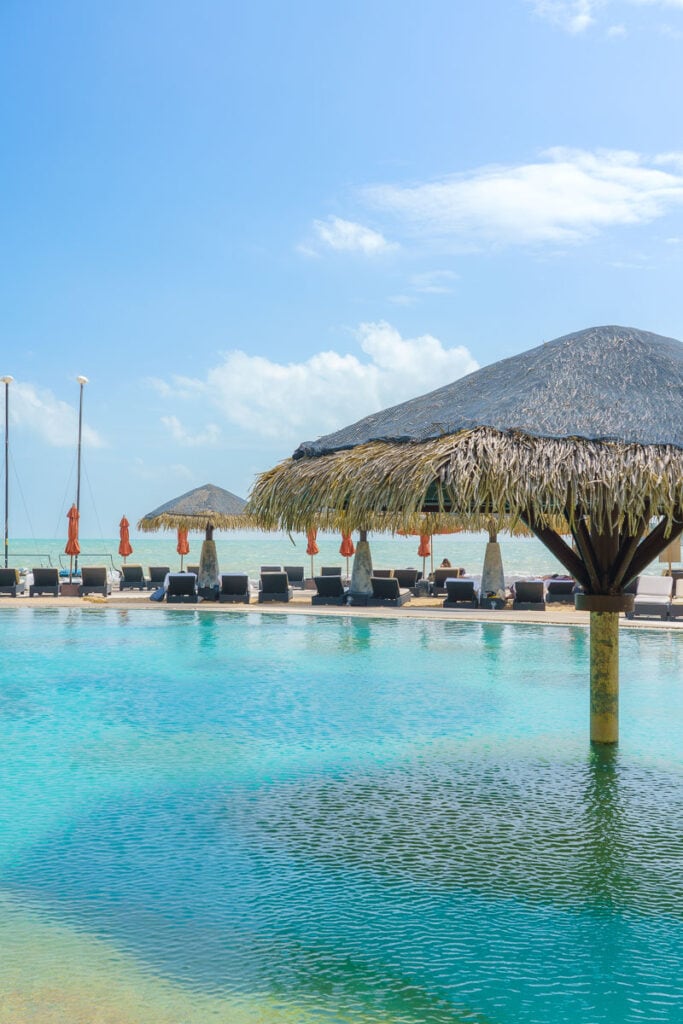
x=655, y=596
x=93, y=580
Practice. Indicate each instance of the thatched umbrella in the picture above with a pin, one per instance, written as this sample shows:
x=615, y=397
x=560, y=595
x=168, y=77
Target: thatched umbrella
x=588, y=427
x=205, y=508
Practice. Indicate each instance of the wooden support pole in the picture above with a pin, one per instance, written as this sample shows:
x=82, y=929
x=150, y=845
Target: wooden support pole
x=604, y=677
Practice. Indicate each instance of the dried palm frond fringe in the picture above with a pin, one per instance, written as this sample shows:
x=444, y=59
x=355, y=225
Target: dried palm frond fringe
x=473, y=475
x=183, y=521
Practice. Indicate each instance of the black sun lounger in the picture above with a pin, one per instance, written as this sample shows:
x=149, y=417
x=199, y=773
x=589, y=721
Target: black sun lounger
x=560, y=591
x=330, y=590
x=157, y=576
x=331, y=570
x=132, y=578
x=529, y=595
x=274, y=587
x=11, y=583
x=386, y=591
x=182, y=588
x=295, y=575
x=94, y=580
x=460, y=593
x=234, y=588
x=407, y=578
x=45, y=581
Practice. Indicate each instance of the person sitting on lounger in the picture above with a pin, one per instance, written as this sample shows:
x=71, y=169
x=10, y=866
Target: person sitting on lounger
x=445, y=564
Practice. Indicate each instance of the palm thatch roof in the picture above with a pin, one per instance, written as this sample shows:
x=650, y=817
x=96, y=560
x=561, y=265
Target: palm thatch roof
x=589, y=423
x=197, y=509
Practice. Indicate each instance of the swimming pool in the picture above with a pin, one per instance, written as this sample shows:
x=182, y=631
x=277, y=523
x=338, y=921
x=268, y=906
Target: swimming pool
x=245, y=818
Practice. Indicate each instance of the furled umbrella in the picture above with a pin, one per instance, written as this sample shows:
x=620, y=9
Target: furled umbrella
x=424, y=552
x=347, y=550
x=73, y=548
x=205, y=508
x=125, y=547
x=312, y=548
x=183, y=545
x=587, y=428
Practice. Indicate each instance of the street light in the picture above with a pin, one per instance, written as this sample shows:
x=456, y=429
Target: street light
x=82, y=381
x=7, y=380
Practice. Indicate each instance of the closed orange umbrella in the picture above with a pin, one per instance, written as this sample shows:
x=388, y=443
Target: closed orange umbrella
x=312, y=548
x=347, y=549
x=183, y=546
x=424, y=551
x=72, y=548
x=125, y=548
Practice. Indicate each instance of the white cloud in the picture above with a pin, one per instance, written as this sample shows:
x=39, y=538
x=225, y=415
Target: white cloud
x=54, y=421
x=205, y=438
x=567, y=196
x=321, y=394
x=434, y=282
x=616, y=31
x=346, y=236
x=571, y=15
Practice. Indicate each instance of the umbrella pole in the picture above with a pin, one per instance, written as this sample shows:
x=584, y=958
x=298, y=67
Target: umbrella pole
x=71, y=568
x=312, y=571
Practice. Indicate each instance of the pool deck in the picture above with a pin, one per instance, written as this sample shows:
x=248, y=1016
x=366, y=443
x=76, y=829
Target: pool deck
x=417, y=608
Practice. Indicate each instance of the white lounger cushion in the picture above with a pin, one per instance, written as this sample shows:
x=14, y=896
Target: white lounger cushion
x=655, y=586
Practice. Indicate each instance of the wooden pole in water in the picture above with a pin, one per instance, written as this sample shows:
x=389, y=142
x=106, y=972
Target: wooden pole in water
x=604, y=677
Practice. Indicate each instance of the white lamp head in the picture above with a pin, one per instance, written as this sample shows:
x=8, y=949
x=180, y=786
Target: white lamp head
x=82, y=380
x=7, y=379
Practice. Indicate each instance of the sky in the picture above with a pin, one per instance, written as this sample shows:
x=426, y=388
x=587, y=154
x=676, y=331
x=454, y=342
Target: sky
x=250, y=224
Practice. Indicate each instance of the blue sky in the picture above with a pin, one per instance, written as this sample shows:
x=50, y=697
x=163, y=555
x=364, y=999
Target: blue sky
x=249, y=224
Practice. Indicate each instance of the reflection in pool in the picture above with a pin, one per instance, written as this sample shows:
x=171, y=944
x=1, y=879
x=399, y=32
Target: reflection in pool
x=264, y=818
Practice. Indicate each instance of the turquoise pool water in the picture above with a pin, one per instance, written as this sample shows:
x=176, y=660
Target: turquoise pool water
x=241, y=818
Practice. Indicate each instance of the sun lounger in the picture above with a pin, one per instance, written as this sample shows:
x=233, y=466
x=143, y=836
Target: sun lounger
x=45, y=581
x=330, y=590
x=193, y=568
x=94, y=580
x=157, y=576
x=295, y=575
x=271, y=568
x=11, y=583
x=386, y=592
x=234, y=588
x=437, y=585
x=182, y=588
x=274, y=587
x=676, y=607
x=132, y=578
x=560, y=590
x=460, y=593
x=331, y=570
x=382, y=574
x=407, y=578
x=653, y=597
x=529, y=596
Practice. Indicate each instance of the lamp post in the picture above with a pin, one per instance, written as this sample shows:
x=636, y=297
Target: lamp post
x=82, y=382
x=6, y=381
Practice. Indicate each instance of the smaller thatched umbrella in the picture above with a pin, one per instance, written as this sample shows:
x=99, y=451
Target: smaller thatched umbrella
x=205, y=508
